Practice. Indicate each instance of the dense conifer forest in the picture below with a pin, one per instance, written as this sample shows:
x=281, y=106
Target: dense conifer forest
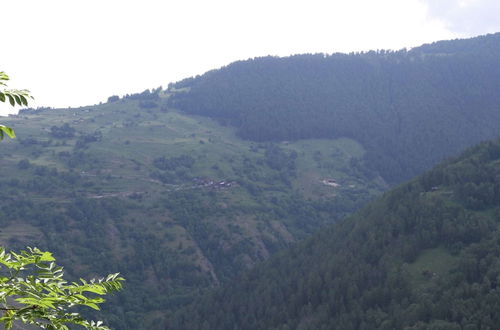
x=409, y=108
x=424, y=256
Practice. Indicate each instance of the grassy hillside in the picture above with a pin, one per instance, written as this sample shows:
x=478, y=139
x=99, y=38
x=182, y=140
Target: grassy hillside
x=175, y=202
x=424, y=256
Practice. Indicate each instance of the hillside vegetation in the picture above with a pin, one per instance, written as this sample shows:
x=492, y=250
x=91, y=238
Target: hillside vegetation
x=424, y=256
x=409, y=109
x=183, y=190
x=174, y=202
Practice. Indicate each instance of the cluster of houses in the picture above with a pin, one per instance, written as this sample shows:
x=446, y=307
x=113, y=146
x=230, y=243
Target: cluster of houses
x=330, y=182
x=205, y=182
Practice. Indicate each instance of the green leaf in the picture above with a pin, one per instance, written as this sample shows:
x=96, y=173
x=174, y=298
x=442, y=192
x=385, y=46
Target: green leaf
x=29, y=301
x=24, y=100
x=11, y=100
x=94, y=289
x=47, y=256
x=3, y=76
x=17, y=99
x=92, y=305
x=8, y=324
x=7, y=130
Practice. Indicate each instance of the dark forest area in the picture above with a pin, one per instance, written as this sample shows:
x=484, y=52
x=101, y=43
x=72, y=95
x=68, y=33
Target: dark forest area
x=409, y=108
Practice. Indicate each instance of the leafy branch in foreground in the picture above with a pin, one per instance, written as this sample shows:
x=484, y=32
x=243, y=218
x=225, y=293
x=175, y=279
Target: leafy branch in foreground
x=15, y=96
x=33, y=291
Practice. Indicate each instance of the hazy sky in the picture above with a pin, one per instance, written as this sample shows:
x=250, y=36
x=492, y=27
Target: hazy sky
x=73, y=53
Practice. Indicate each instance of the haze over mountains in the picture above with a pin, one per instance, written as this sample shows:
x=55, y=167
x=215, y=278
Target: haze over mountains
x=185, y=189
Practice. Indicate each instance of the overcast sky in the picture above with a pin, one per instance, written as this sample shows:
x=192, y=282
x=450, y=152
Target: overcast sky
x=75, y=53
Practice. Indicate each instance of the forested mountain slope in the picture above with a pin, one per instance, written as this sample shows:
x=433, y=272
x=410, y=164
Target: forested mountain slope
x=179, y=203
x=409, y=109
x=424, y=256
x=174, y=202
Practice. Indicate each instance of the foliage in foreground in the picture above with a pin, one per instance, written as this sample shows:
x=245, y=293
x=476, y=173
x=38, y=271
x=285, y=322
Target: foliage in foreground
x=43, y=297
x=33, y=290
x=15, y=96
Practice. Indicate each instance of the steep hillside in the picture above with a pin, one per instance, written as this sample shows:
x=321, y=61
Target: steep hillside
x=409, y=109
x=174, y=202
x=424, y=256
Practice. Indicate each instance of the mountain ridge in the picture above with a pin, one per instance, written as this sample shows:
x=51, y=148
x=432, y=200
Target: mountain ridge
x=397, y=104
